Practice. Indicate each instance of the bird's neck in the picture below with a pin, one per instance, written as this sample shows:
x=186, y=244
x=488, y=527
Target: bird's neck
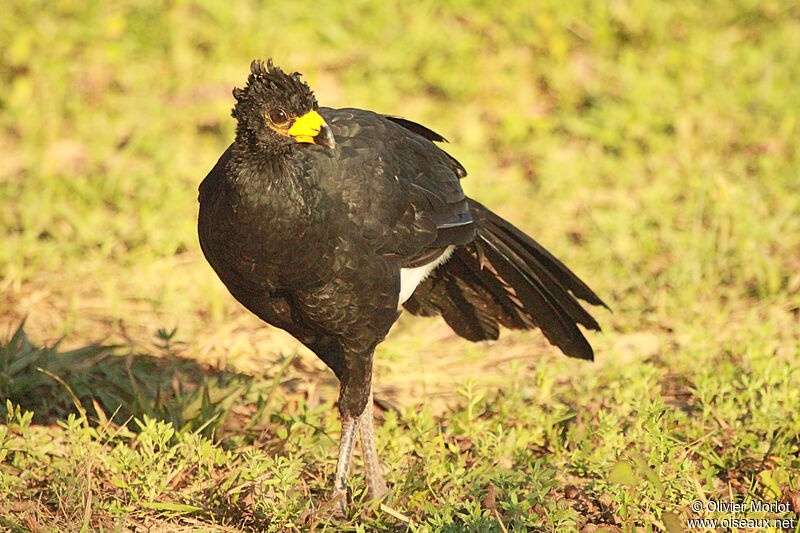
x=257, y=158
x=267, y=178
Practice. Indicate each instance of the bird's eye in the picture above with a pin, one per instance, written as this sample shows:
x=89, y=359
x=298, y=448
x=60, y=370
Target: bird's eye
x=278, y=116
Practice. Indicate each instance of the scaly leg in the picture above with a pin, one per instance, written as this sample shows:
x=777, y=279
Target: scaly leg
x=376, y=485
x=338, y=499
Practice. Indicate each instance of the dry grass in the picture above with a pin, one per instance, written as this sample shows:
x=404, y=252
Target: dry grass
x=651, y=146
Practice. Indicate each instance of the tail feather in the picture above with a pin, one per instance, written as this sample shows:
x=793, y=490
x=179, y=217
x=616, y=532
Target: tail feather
x=541, y=273
x=544, y=309
x=453, y=294
x=544, y=259
x=505, y=277
x=498, y=296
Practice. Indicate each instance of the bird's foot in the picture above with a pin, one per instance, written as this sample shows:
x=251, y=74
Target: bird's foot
x=335, y=506
x=377, y=490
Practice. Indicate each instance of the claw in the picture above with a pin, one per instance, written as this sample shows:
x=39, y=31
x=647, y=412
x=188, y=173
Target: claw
x=335, y=506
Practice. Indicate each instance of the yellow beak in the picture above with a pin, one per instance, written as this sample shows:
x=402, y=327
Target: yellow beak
x=311, y=128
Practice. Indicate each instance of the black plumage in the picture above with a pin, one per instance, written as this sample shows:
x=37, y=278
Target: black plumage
x=312, y=214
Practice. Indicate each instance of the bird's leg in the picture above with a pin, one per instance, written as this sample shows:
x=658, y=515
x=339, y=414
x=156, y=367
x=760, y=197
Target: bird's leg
x=338, y=499
x=355, y=401
x=376, y=485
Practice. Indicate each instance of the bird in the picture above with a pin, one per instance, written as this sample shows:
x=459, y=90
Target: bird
x=326, y=223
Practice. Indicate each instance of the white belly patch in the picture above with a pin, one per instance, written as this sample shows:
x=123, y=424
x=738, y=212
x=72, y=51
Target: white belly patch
x=411, y=277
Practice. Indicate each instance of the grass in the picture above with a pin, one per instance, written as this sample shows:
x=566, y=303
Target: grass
x=650, y=145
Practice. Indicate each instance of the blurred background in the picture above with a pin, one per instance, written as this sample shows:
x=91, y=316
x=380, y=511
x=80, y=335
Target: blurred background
x=652, y=146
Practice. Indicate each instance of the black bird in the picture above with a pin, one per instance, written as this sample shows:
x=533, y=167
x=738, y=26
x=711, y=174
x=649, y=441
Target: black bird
x=324, y=222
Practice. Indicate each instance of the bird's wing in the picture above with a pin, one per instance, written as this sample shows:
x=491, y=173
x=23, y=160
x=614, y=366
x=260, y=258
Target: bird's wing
x=404, y=190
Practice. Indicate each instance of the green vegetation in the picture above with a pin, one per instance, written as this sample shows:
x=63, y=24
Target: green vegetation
x=653, y=146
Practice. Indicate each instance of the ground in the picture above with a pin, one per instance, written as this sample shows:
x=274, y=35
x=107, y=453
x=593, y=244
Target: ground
x=650, y=145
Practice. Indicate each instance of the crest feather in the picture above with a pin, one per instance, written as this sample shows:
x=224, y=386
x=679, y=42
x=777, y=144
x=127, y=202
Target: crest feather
x=273, y=78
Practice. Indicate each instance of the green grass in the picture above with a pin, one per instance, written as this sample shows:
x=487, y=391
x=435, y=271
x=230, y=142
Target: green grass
x=650, y=145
